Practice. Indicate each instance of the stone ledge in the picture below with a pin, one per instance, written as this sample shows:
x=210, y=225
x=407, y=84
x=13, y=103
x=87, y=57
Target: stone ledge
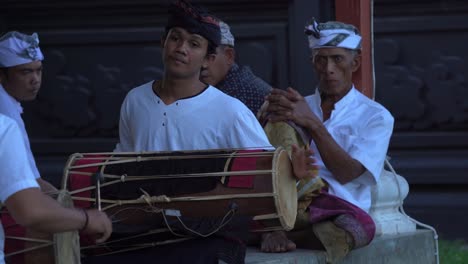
x=413, y=248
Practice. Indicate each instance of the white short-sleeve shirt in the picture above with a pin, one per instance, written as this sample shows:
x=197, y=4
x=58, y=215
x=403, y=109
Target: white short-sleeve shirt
x=15, y=172
x=362, y=127
x=209, y=120
x=10, y=107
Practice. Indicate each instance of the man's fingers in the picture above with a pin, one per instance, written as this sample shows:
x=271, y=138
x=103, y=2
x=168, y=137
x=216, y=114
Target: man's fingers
x=278, y=99
x=293, y=94
x=276, y=91
x=294, y=148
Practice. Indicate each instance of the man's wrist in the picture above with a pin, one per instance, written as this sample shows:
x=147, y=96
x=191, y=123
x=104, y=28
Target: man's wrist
x=86, y=221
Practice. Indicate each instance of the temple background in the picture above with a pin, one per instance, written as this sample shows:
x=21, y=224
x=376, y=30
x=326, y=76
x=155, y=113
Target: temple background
x=97, y=50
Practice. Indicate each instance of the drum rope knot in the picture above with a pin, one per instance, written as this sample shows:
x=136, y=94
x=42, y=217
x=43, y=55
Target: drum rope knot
x=154, y=199
x=122, y=177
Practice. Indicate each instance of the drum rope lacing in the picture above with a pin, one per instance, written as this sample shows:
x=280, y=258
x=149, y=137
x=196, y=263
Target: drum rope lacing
x=152, y=200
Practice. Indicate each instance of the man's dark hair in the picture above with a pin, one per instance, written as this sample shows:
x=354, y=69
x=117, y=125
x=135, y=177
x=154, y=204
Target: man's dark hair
x=196, y=20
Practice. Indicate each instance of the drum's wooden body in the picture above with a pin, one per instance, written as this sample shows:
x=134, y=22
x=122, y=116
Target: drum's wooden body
x=138, y=189
x=271, y=194
x=143, y=190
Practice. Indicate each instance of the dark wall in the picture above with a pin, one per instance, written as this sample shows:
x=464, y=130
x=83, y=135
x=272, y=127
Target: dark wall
x=421, y=77
x=97, y=50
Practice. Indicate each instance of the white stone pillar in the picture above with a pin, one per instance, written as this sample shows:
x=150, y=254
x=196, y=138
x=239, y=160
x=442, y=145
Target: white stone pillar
x=387, y=196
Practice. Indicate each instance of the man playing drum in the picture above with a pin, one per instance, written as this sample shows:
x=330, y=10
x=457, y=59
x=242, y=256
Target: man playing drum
x=350, y=134
x=20, y=193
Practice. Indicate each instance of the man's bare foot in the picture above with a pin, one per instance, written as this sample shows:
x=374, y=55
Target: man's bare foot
x=276, y=242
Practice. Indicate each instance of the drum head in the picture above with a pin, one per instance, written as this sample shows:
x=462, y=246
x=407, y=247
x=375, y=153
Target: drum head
x=285, y=189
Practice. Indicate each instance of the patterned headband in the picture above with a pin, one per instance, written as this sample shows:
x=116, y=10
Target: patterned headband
x=332, y=34
x=17, y=48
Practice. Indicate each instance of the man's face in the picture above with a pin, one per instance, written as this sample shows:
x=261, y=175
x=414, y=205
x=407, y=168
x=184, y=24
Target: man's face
x=184, y=54
x=23, y=81
x=219, y=67
x=335, y=67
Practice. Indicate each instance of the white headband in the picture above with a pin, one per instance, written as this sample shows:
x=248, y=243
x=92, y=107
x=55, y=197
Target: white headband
x=332, y=34
x=17, y=48
x=226, y=37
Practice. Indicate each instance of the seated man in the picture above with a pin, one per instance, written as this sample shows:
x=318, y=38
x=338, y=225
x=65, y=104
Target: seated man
x=349, y=133
x=20, y=81
x=235, y=80
x=19, y=192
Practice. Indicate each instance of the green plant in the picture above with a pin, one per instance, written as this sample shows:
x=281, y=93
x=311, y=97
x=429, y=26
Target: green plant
x=453, y=252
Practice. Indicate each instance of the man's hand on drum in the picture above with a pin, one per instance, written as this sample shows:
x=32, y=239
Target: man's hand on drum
x=303, y=163
x=289, y=105
x=99, y=225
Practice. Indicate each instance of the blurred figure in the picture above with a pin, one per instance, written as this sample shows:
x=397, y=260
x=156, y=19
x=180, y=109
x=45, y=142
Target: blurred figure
x=21, y=195
x=235, y=80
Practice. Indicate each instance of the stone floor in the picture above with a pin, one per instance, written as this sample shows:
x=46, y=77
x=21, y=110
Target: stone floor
x=411, y=248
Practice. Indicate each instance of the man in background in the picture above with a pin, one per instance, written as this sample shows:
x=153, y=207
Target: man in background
x=235, y=80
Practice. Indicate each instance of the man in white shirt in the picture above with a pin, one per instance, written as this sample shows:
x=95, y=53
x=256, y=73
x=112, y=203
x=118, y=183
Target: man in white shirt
x=20, y=81
x=20, y=193
x=350, y=134
x=180, y=112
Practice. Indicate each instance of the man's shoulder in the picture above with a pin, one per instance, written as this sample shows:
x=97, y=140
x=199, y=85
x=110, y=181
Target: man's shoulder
x=7, y=108
x=373, y=106
x=6, y=104
x=6, y=122
x=227, y=102
x=245, y=86
x=219, y=96
x=140, y=90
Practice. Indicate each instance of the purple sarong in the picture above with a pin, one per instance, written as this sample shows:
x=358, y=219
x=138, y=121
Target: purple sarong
x=345, y=215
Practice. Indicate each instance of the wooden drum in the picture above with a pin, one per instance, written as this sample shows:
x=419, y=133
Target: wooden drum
x=152, y=189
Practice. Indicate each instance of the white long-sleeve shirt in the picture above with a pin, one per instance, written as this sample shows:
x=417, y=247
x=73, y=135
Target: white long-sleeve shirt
x=10, y=107
x=362, y=127
x=15, y=173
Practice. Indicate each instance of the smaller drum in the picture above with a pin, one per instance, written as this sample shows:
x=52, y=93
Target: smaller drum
x=24, y=245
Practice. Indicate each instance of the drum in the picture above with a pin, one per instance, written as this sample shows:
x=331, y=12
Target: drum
x=164, y=193
x=28, y=246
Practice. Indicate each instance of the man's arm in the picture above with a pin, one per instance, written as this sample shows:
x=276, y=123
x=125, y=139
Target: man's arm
x=33, y=209
x=46, y=186
x=19, y=192
x=337, y=161
x=290, y=105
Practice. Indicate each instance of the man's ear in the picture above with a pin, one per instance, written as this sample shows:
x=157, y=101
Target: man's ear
x=209, y=58
x=230, y=54
x=356, y=63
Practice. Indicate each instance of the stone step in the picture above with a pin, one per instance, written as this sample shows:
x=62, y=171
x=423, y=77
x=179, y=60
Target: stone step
x=416, y=247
